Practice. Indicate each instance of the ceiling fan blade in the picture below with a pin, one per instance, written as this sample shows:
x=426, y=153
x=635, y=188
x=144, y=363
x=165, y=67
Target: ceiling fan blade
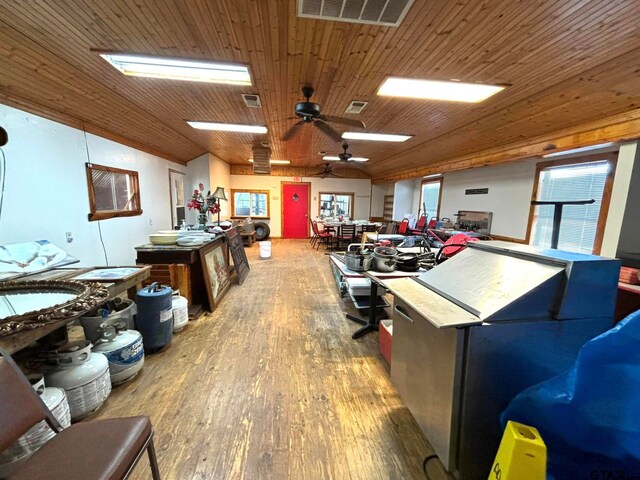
x=334, y=175
x=292, y=131
x=328, y=131
x=344, y=121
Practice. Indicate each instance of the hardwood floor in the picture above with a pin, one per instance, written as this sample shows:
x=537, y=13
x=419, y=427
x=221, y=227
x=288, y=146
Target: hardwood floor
x=271, y=386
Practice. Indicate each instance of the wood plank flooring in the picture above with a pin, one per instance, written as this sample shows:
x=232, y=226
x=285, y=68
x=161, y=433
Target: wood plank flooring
x=271, y=386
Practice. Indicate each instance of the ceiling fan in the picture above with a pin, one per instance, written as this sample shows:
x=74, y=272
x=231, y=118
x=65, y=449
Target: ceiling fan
x=325, y=172
x=309, y=112
x=346, y=156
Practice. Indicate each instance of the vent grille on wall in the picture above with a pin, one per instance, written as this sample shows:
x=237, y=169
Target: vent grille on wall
x=389, y=13
x=261, y=160
x=356, y=106
x=252, y=100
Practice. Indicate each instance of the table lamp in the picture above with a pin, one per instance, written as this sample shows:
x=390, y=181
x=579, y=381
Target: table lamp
x=219, y=195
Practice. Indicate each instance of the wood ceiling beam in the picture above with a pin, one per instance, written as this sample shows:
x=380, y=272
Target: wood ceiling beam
x=618, y=128
x=277, y=171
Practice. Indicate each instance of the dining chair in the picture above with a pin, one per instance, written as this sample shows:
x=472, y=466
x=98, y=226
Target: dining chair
x=321, y=236
x=403, y=227
x=420, y=227
x=346, y=235
x=103, y=449
x=366, y=228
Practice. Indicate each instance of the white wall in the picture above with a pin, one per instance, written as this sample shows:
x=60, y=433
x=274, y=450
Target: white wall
x=220, y=176
x=406, y=198
x=360, y=187
x=197, y=173
x=46, y=191
x=509, y=196
x=378, y=192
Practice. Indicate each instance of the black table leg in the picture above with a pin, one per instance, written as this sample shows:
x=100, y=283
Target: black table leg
x=370, y=323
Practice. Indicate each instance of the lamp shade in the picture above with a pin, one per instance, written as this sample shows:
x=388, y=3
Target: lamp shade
x=219, y=194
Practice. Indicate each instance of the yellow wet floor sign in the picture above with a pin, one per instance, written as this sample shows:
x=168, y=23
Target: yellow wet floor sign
x=522, y=454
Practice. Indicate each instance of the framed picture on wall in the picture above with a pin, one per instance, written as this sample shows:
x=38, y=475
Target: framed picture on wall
x=215, y=269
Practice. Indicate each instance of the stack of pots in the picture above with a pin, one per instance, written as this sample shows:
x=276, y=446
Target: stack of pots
x=83, y=375
x=56, y=401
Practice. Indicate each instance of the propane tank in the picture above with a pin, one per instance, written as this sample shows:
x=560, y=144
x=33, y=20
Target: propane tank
x=84, y=376
x=56, y=401
x=123, y=349
x=154, y=320
x=180, y=308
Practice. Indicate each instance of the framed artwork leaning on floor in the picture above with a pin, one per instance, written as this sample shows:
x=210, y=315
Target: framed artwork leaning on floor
x=215, y=270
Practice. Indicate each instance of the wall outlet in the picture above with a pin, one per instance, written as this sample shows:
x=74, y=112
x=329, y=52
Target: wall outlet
x=151, y=222
x=69, y=236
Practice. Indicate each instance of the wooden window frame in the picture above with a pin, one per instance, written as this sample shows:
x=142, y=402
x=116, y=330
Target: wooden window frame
x=248, y=190
x=612, y=158
x=95, y=215
x=351, y=196
x=432, y=180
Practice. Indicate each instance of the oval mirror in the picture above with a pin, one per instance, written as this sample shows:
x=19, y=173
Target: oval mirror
x=32, y=304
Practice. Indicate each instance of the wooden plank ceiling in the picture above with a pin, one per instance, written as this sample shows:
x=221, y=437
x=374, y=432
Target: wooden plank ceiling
x=568, y=62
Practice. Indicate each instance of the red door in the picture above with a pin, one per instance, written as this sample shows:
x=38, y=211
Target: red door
x=295, y=210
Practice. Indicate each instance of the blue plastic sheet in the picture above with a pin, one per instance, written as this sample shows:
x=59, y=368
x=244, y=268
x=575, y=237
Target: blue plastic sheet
x=589, y=417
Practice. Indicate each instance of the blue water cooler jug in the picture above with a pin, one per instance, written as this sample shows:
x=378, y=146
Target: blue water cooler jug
x=155, y=316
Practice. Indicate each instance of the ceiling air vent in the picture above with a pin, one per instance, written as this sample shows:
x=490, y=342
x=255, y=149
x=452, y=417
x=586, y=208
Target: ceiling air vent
x=252, y=100
x=389, y=13
x=356, y=106
x=261, y=163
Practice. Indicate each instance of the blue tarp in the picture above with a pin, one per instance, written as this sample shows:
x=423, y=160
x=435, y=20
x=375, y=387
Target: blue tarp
x=589, y=417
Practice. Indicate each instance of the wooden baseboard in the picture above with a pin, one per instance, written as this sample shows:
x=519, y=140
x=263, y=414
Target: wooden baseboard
x=508, y=239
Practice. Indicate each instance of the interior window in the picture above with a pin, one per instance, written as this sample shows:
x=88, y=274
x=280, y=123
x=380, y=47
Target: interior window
x=113, y=192
x=582, y=226
x=176, y=192
x=336, y=204
x=250, y=203
x=430, y=199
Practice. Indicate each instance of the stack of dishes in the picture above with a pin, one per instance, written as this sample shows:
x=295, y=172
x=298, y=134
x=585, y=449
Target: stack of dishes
x=192, y=238
x=164, y=237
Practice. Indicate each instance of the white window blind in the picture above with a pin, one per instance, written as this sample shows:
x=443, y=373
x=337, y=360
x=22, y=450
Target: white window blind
x=579, y=222
x=430, y=197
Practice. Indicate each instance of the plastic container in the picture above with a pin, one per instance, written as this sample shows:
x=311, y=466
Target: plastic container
x=124, y=310
x=155, y=316
x=265, y=249
x=180, y=308
x=84, y=376
x=386, y=339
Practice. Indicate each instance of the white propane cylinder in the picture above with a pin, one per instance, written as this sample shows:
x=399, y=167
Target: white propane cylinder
x=56, y=401
x=124, y=353
x=84, y=376
x=180, y=308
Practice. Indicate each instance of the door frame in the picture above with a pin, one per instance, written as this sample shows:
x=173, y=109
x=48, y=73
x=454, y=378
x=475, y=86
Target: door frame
x=171, y=199
x=282, y=184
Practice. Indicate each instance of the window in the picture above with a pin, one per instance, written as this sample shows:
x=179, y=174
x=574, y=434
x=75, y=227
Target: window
x=430, y=197
x=582, y=226
x=335, y=204
x=176, y=194
x=113, y=192
x=250, y=203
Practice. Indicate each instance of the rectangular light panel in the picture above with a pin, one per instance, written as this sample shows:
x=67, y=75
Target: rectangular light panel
x=437, y=90
x=174, y=69
x=228, y=127
x=355, y=159
x=375, y=137
x=275, y=162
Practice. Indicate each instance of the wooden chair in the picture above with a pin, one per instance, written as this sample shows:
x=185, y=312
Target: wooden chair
x=104, y=449
x=366, y=228
x=346, y=236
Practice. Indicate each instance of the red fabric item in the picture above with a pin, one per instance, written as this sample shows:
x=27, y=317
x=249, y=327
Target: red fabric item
x=457, y=239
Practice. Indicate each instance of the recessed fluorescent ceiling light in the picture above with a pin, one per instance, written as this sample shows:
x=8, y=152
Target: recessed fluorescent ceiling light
x=437, y=90
x=169, y=68
x=433, y=176
x=355, y=159
x=578, y=150
x=375, y=137
x=228, y=127
x=275, y=162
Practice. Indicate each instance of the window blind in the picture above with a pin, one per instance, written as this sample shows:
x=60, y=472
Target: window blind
x=579, y=222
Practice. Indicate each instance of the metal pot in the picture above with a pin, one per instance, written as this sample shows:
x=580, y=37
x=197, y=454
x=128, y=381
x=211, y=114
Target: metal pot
x=384, y=259
x=407, y=262
x=358, y=262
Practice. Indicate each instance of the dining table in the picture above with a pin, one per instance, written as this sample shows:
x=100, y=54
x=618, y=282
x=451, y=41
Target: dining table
x=336, y=227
